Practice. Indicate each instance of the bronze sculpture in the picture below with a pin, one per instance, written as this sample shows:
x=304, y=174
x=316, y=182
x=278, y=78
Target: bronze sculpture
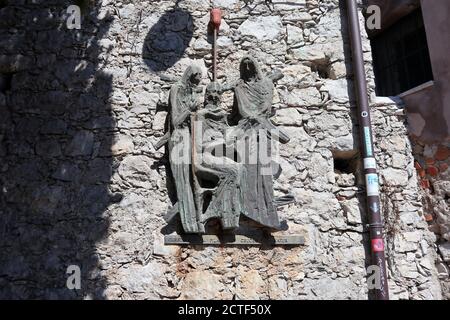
x=223, y=171
x=253, y=105
x=182, y=102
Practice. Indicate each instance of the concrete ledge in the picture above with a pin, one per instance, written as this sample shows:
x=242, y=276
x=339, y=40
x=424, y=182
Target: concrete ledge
x=419, y=88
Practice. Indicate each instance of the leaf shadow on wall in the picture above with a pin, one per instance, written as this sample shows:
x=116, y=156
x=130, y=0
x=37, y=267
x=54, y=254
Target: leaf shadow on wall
x=168, y=39
x=57, y=129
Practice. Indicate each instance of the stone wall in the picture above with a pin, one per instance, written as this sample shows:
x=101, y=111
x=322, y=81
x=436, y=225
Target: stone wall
x=432, y=164
x=83, y=185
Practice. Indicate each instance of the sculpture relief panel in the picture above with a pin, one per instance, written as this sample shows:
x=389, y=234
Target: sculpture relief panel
x=222, y=162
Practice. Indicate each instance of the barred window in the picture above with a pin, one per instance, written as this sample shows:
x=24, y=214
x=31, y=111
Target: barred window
x=401, y=56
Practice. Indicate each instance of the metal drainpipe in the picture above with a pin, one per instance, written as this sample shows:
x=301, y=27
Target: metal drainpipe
x=370, y=170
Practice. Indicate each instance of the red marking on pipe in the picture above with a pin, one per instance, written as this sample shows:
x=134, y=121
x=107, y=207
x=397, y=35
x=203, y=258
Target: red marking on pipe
x=377, y=245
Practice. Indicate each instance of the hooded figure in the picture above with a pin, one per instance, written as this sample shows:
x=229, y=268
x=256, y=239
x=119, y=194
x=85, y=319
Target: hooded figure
x=253, y=106
x=182, y=103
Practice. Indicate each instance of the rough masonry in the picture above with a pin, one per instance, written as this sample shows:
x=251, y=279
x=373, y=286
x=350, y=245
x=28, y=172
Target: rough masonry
x=82, y=184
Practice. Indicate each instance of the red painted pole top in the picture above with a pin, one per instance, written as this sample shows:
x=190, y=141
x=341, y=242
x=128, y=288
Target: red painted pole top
x=216, y=18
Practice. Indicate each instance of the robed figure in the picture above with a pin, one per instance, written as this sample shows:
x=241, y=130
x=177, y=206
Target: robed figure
x=253, y=107
x=183, y=103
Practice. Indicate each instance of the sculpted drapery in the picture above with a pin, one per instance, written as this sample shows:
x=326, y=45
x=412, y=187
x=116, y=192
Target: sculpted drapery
x=253, y=102
x=182, y=102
